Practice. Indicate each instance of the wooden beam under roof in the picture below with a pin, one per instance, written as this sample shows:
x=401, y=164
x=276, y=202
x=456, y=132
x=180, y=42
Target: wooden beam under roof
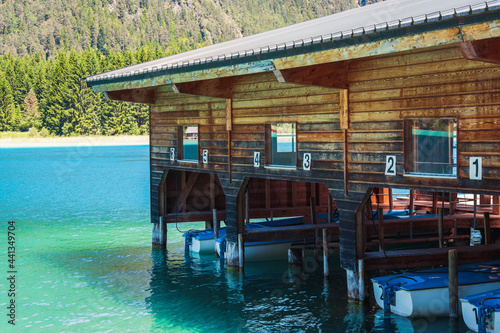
x=144, y=95
x=486, y=50
x=221, y=87
x=332, y=75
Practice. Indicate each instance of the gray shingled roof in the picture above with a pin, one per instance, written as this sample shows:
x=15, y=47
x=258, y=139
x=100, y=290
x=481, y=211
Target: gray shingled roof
x=387, y=15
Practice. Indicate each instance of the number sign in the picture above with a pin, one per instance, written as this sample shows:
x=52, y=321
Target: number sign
x=390, y=165
x=256, y=159
x=476, y=168
x=306, y=162
x=205, y=156
x=172, y=154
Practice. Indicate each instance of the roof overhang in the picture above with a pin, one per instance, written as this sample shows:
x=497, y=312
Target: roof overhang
x=457, y=28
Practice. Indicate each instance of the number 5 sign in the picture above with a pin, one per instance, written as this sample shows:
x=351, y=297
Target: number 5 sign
x=390, y=165
x=205, y=156
x=476, y=168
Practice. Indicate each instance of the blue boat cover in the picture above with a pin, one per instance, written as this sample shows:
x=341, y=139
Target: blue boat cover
x=478, y=298
x=438, y=278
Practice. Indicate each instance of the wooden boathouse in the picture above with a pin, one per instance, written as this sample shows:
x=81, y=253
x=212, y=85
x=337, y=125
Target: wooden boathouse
x=329, y=114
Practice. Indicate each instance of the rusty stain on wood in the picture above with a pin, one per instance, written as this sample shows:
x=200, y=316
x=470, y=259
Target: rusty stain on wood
x=229, y=114
x=487, y=50
x=344, y=108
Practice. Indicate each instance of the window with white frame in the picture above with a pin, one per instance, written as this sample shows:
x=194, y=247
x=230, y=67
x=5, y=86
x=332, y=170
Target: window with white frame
x=187, y=143
x=431, y=147
x=281, y=144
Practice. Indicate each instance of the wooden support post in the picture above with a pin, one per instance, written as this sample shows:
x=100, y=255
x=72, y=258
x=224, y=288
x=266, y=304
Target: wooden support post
x=360, y=235
x=391, y=204
x=381, y=229
x=186, y=189
x=496, y=204
x=412, y=202
x=487, y=229
x=295, y=256
x=453, y=283
x=212, y=191
x=434, y=202
x=163, y=231
x=313, y=209
x=485, y=200
x=241, y=251
x=325, y=253
x=356, y=282
x=312, y=201
x=268, y=193
x=330, y=210
x=453, y=203
x=475, y=212
x=216, y=230
x=346, y=164
x=247, y=207
x=294, y=194
x=229, y=128
x=440, y=227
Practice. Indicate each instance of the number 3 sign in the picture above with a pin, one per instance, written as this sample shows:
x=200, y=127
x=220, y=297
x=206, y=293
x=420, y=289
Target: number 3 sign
x=390, y=165
x=306, y=162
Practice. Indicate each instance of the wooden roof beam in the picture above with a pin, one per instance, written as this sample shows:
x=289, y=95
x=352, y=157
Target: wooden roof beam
x=221, y=88
x=486, y=50
x=143, y=95
x=332, y=75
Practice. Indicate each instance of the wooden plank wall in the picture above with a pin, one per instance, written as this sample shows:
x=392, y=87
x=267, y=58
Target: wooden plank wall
x=383, y=91
x=433, y=83
x=172, y=110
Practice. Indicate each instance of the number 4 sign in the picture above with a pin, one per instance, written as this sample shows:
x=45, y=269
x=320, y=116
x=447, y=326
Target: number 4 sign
x=476, y=168
x=256, y=159
x=390, y=165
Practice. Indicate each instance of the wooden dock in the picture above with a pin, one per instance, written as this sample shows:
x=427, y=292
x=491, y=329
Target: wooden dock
x=429, y=257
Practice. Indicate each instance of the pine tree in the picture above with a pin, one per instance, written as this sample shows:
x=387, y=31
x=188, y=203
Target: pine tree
x=6, y=103
x=31, y=116
x=55, y=105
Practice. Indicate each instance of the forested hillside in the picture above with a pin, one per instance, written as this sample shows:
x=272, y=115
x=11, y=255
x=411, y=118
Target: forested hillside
x=46, y=46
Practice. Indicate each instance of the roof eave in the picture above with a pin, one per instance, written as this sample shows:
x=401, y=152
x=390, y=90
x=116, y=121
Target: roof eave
x=368, y=43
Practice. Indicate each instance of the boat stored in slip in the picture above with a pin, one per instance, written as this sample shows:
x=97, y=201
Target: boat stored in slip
x=425, y=293
x=481, y=312
x=202, y=241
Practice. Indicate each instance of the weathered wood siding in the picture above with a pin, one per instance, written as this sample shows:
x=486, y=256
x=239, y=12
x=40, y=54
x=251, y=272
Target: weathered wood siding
x=383, y=91
x=172, y=110
x=424, y=84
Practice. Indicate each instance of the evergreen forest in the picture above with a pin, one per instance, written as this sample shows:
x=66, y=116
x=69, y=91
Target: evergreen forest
x=47, y=46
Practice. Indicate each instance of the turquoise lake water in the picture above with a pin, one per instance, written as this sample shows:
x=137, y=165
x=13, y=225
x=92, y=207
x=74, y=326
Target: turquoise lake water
x=84, y=261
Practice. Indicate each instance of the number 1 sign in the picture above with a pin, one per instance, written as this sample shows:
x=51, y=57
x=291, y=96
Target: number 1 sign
x=476, y=168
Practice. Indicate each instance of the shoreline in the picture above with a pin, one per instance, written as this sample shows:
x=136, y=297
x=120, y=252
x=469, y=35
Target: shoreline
x=77, y=141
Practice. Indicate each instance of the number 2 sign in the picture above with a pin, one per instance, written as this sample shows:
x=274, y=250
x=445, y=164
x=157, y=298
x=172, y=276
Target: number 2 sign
x=390, y=165
x=476, y=168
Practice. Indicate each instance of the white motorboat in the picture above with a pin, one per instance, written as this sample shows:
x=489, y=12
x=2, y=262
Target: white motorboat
x=481, y=312
x=202, y=241
x=425, y=293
